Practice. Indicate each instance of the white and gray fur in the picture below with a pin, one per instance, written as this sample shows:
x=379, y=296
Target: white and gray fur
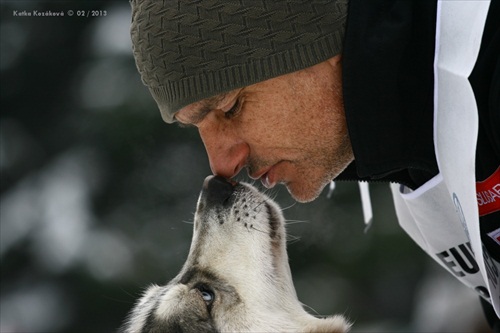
x=236, y=277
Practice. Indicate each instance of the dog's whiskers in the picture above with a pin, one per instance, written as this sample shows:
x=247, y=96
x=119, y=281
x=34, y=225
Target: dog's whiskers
x=272, y=193
x=288, y=207
x=290, y=239
x=258, y=208
x=254, y=228
x=288, y=222
x=258, y=205
x=312, y=309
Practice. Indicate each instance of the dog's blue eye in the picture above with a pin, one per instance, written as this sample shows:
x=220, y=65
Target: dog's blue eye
x=206, y=293
x=207, y=296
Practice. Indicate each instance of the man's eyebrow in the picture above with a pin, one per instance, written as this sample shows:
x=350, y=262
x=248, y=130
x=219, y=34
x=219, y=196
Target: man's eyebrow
x=213, y=102
x=205, y=106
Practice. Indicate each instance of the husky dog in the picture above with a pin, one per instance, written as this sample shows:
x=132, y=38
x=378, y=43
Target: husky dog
x=236, y=277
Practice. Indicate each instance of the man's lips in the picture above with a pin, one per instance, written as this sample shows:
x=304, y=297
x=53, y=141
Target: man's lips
x=266, y=177
x=259, y=174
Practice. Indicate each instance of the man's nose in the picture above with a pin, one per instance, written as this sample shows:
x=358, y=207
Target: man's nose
x=227, y=154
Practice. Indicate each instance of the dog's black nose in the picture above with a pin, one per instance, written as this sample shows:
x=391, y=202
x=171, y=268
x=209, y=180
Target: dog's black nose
x=217, y=190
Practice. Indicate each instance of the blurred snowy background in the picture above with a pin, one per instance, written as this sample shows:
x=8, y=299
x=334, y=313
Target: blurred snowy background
x=97, y=194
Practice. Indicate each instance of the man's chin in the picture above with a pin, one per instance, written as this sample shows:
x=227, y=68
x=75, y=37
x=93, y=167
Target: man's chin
x=304, y=194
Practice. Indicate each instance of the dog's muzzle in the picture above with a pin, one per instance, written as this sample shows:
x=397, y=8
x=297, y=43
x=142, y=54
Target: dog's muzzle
x=217, y=191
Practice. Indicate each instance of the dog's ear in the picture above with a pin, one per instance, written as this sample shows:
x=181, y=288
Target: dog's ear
x=332, y=324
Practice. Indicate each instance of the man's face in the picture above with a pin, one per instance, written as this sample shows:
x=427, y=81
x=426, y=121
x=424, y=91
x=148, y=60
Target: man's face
x=290, y=129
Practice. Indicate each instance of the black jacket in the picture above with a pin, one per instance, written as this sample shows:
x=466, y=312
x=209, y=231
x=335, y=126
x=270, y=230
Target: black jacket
x=388, y=84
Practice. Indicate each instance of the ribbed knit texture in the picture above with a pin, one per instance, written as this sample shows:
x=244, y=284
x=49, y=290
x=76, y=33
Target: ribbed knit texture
x=190, y=50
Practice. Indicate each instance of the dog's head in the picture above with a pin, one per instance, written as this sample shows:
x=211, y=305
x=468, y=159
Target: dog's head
x=236, y=277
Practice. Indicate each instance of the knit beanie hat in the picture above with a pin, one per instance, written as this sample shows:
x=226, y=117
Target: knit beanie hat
x=187, y=51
